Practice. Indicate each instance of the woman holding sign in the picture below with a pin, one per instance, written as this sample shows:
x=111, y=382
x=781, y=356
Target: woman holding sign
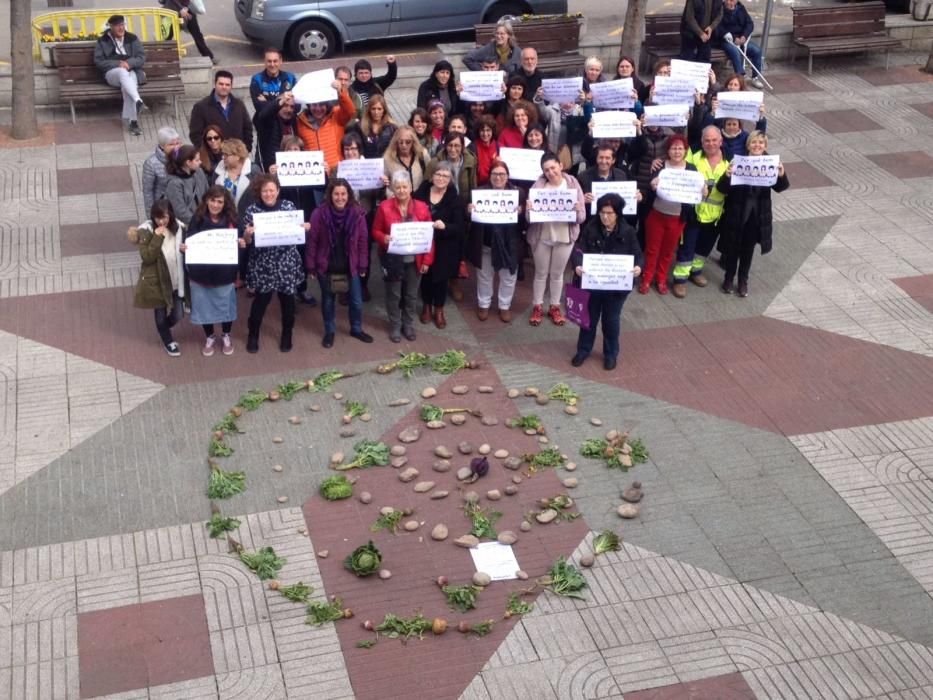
x=402, y=272
x=746, y=219
x=213, y=294
x=608, y=234
x=272, y=269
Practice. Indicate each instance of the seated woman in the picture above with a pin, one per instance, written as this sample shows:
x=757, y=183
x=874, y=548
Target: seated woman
x=503, y=49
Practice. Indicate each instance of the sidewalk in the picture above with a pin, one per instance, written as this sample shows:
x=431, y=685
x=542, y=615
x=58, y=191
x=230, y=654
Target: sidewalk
x=783, y=549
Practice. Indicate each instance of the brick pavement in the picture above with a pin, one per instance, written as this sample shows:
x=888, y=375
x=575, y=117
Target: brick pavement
x=784, y=547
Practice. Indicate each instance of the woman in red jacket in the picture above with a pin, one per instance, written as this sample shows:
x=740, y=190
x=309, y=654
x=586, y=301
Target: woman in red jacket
x=520, y=116
x=402, y=273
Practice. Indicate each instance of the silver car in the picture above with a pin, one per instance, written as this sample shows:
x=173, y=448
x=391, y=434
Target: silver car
x=307, y=30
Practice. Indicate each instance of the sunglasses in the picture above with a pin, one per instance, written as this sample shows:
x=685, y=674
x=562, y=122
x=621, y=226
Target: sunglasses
x=212, y=138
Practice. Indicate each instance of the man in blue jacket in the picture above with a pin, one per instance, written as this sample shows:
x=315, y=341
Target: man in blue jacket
x=734, y=31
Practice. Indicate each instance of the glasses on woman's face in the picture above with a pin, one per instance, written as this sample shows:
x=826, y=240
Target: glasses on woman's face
x=351, y=148
x=212, y=137
x=498, y=173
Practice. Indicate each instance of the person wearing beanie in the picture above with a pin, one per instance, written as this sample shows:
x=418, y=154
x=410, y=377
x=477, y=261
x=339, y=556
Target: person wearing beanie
x=120, y=56
x=440, y=86
x=365, y=85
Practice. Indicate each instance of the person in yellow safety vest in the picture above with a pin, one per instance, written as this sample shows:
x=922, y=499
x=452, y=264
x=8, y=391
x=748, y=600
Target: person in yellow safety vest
x=700, y=235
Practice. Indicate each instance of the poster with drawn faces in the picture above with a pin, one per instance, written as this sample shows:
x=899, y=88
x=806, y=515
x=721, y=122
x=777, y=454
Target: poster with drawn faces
x=495, y=206
x=300, y=168
x=760, y=171
x=552, y=204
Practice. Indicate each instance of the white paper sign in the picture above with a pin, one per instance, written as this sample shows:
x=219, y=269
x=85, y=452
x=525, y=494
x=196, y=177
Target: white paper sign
x=216, y=246
x=495, y=206
x=666, y=115
x=314, y=87
x=614, y=94
x=741, y=104
x=626, y=189
x=482, y=85
x=561, y=90
x=497, y=560
x=411, y=238
x=362, y=173
x=524, y=163
x=696, y=73
x=607, y=272
x=278, y=228
x=684, y=186
x=299, y=168
x=552, y=204
x=761, y=171
x=613, y=124
x=673, y=91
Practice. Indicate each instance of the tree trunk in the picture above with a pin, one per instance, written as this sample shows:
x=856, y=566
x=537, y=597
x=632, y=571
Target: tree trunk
x=24, y=94
x=633, y=32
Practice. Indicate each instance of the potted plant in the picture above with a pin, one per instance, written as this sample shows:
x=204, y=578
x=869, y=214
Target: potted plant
x=48, y=42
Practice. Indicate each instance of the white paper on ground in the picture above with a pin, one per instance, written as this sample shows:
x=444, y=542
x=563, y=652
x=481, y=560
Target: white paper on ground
x=497, y=560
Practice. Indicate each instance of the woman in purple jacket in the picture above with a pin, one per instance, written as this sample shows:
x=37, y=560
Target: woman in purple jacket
x=337, y=254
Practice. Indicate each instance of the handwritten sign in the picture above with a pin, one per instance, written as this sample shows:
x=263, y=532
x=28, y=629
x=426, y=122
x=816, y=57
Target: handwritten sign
x=611, y=273
x=696, y=73
x=614, y=94
x=315, y=87
x=684, y=186
x=524, y=163
x=482, y=85
x=552, y=204
x=362, y=173
x=561, y=90
x=627, y=189
x=495, y=206
x=278, y=228
x=673, y=91
x=577, y=305
x=666, y=115
x=613, y=124
x=497, y=560
x=760, y=171
x=216, y=246
x=299, y=168
x=741, y=104
x=411, y=238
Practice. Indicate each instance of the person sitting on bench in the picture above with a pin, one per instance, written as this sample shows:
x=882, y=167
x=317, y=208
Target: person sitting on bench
x=120, y=56
x=734, y=31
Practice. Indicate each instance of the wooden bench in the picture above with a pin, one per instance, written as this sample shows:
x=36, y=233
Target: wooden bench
x=838, y=29
x=662, y=40
x=556, y=41
x=81, y=81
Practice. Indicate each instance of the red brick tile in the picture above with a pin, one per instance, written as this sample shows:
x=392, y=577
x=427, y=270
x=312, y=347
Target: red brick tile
x=93, y=239
x=805, y=175
x=728, y=687
x=114, y=178
x=906, y=164
x=840, y=121
x=120, y=669
x=924, y=108
x=920, y=288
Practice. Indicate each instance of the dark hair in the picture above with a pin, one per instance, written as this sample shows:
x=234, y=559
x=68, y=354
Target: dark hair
x=163, y=207
x=351, y=138
x=534, y=127
x=362, y=64
x=517, y=80
x=549, y=155
x=735, y=76
x=660, y=63
x=223, y=74
x=459, y=116
x=218, y=192
x=603, y=146
x=418, y=112
x=611, y=199
x=486, y=120
x=529, y=108
x=273, y=49
x=337, y=182
x=257, y=183
x=454, y=136
x=343, y=69
x=631, y=60
x=173, y=166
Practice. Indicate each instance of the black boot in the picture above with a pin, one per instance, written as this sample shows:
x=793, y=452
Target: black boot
x=285, y=344
x=252, y=340
x=288, y=321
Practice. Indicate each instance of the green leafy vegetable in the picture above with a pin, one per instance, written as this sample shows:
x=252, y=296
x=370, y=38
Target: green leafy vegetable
x=430, y=412
x=265, y=562
x=218, y=448
x=561, y=502
x=289, y=389
x=227, y=424
x=218, y=525
x=483, y=520
x=369, y=453
x=408, y=364
x=462, y=598
x=253, y=399
x=639, y=451
x=563, y=392
x=225, y=484
x=616, y=451
x=355, y=409
x=324, y=381
x=388, y=521
x=451, y=361
x=297, y=593
x=531, y=422
x=565, y=579
x=366, y=644
x=548, y=457
x=364, y=560
x=321, y=613
x=517, y=606
x=396, y=627
x=336, y=487
x=606, y=541
x=481, y=629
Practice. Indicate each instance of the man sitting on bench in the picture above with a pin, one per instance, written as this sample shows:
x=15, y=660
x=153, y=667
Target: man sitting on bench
x=734, y=31
x=120, y=56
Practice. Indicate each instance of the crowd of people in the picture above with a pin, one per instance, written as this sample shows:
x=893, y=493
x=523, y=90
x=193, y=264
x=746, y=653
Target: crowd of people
x=437, y=161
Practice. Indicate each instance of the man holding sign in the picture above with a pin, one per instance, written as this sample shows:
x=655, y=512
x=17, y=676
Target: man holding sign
x=605, y=243
x=603, y=171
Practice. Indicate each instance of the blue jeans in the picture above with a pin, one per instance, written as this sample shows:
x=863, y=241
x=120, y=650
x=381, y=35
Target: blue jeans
x=329, y=304
x=608, y=306
x=753, y=51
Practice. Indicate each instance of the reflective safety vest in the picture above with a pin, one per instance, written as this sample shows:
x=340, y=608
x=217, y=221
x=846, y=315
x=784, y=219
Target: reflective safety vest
x=710, y=209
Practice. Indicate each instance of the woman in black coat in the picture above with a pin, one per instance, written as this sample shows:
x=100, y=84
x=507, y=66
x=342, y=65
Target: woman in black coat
x=746, y=219
x=449, y=241
x=608, y=234
x=440, y=86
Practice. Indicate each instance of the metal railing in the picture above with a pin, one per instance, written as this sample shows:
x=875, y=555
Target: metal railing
x=149, y=24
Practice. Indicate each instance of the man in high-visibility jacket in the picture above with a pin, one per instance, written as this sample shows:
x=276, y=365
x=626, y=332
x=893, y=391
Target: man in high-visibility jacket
x=700, y=236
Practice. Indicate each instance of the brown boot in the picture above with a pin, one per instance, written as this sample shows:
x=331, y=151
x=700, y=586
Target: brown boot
x=679, y=289
x=439, y=319
x=481, y=313
x=455, y=292
x=505, y=315
x=426, y=312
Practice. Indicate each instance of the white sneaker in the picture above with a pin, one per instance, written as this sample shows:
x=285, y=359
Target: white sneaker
x=227, y=344
x=172, y=349
x=756, y=82
x=208, y=348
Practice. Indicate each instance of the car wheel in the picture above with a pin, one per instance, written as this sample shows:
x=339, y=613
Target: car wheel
x=504, y=9
x=311, y=41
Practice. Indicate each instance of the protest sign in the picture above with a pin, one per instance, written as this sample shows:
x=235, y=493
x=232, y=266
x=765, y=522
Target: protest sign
x=216, y=246
x=666, y=115
x=626, y=189
x=314, y=87
x=495, y=206
x=411, y=238
x=613, y=124
x=362, y=173
x=673, y=91
x=561, y=90
x=607, y=272
x=299, y=168
x=741, y=104
x=274, y=228
x=696, y=73
x=524, y=163
x=761, y=171
x=681, y=185
x=482, y=85
x=613, y=94
x=552, y=204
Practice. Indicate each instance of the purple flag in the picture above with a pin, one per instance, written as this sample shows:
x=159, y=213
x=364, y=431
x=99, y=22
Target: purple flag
x=578, y=301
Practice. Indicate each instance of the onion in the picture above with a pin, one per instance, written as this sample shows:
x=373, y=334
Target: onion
x=479, y=466
x=347, y=613
x=368, y=625
x=441, y=581
x=439, y=626
x=464, y=627
x=236, y=411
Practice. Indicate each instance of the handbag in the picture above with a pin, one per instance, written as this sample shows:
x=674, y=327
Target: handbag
x=197, y=7
x=339, y=282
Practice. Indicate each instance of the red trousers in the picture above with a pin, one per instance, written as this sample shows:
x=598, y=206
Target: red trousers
x=662, y=234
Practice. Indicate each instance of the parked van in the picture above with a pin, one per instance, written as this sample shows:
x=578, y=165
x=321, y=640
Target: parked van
x=306, y=29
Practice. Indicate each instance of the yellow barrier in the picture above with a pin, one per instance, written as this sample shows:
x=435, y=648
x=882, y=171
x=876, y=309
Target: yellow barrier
x=149, y=24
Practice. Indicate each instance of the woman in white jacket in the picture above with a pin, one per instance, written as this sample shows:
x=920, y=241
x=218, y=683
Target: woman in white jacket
x=235, y=171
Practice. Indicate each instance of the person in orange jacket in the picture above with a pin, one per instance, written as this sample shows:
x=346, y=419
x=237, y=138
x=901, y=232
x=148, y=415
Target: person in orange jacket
x=321, y=125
